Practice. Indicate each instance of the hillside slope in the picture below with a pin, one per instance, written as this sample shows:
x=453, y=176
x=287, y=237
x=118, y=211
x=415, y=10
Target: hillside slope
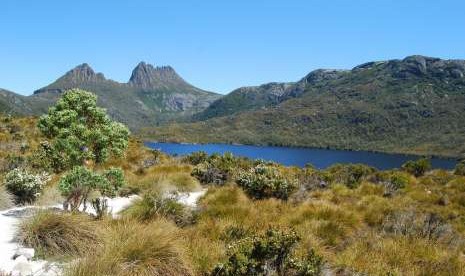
x=414, y=105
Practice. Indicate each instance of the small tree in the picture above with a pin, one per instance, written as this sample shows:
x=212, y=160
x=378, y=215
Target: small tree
x=418, y=167
x=78, y=130
x=80, y=182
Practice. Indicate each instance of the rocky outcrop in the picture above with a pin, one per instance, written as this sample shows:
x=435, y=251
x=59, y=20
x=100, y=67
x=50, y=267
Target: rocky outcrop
x=146, y=76
x=320, y=75
x=417, y=66
x=84, y=73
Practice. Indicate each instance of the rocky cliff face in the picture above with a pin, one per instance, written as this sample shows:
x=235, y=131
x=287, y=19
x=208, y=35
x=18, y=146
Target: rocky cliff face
x=147, y=76
x=83, y=73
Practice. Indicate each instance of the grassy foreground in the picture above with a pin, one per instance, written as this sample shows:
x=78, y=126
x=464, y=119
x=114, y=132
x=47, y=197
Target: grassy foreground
x=347, y=219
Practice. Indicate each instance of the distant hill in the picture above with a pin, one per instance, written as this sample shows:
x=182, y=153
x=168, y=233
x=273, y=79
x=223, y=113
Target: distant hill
x=151, y=96
x=414, y=105
x=12, y=103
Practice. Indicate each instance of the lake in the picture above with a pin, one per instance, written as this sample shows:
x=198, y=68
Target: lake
x=320, y=158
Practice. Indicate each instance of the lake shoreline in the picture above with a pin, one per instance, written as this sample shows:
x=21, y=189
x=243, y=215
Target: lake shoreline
x=300, y=156
x=418, y=155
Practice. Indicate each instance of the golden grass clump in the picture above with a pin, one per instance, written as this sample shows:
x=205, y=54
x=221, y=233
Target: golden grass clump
x=164, y=177
x=133, y=249
x=6, y=199
x=376, y=255
x=56, y=234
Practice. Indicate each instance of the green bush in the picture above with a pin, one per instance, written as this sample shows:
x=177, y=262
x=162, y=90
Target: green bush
x=218, y=169
x=268, y=254
x=196, y=158
x=392, y=180
x=350, y=175
x=207, y=173
x=78, y=184
x=460, y=168
x=25, y=186
x=418, y=167
x=265, y=182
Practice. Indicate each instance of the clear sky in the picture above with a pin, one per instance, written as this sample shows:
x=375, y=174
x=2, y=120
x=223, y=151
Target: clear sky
x=218, y=45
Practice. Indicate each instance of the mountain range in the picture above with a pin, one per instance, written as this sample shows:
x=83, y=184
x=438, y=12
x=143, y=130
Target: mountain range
x=414, y=105
x=151, y=96
x=411, y=105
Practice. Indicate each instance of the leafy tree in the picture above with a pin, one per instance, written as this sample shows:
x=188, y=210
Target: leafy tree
x=78, y=130
x=265, y=181
x=80, y=182
x=418, y=167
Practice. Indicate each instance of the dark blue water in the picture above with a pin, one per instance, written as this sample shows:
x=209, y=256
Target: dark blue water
x=320, y=158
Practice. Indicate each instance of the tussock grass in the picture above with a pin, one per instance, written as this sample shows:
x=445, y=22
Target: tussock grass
x=163, y=177
x=156, y=206
x=6, y=199
x=50, y=196
x=376, y=255
x=131, y=248
x=55, y=234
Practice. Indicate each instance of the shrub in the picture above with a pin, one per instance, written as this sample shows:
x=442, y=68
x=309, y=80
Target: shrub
x=196, y=158
x=418, y=167
x=208, y=174
x=310, y=265
x=25, y=186
x=460, y=168
x=350, y=175
x=218, y=169
x=115, y=178
x=428, y=226
x=392, y=181
x=77, y=185
x=58, y=234
x=265, y=182
x=131, y=248
x=267, y=254
x=13, y=162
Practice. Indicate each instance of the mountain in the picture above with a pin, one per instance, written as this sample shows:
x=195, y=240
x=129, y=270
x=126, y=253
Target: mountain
x=151, y=96
x=12, y=103
x=263, y=96
x=413, y=105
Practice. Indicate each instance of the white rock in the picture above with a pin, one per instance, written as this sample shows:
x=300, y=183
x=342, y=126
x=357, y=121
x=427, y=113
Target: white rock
x=22, y=267
x=190, y=199
x=26, y=252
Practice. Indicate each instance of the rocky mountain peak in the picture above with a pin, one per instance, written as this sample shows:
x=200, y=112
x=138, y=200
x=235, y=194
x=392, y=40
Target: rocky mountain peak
x=83, y=74
x=147, y=76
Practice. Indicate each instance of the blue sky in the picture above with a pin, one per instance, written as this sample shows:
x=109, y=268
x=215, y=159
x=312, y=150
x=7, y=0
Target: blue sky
x=218, y=45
